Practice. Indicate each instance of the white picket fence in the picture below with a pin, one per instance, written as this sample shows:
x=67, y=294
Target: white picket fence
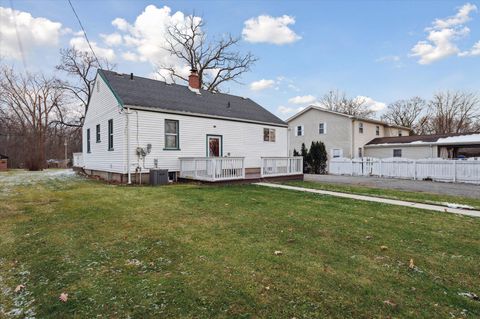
x=463, y=171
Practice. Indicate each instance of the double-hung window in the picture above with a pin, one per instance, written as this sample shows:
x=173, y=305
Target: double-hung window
x=322, y=128
x=171, y=135
x=110, y=135
x=299, y=130
x=397, y=152
x=269, y=135
x=399, y=132
x=377, y=130
x=88, y=141
x=360, y=128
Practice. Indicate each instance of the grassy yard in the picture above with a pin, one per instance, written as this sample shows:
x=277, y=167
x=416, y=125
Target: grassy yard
x=420, y=197
x=191, y=251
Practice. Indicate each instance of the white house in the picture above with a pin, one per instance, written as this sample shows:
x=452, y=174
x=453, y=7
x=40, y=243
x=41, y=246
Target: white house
x=134, y=124
x=444, y=146
x=343, y=135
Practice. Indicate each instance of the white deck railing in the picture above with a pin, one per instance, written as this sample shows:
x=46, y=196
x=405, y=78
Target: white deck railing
x=466, y=171
x=77, y=159
x=281, y=166
x=212, y=169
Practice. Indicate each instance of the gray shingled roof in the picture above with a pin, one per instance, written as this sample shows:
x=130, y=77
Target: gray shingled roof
x=158, y=95
x=413, y=138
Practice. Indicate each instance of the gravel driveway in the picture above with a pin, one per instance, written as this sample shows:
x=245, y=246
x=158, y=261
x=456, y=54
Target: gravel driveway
x=466, y=190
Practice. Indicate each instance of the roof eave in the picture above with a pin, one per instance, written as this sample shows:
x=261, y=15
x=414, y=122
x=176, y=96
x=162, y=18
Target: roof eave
x=167, y=111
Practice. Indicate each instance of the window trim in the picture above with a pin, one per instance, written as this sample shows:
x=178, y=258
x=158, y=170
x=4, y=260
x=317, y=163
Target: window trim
x=177, y=147
x=324, y=128
x=270, y=130
x=110, y=135
x=301, y=130
x=89, y=147
x=337, y=149
x=398, y=150
x=98, y=134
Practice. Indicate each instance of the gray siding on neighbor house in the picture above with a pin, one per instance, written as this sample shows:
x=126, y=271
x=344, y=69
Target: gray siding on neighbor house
x=408, y=151
x=338, y=131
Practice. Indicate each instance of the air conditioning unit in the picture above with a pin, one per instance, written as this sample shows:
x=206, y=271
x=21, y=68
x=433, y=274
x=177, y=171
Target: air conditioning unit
x=158, y=176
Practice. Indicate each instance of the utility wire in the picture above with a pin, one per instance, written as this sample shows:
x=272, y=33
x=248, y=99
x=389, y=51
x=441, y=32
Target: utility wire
x=84, y=33
x=20, y=46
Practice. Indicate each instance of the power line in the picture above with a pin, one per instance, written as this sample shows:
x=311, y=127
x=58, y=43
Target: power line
x=84, y=33
x=20, y=46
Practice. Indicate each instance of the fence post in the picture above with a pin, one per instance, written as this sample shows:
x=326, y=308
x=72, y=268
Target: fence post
x=414, y=170
x=454, y=171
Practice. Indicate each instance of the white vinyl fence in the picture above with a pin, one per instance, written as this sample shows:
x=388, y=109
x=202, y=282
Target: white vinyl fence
x=464, y=171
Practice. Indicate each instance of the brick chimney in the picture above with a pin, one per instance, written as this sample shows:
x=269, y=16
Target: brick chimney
x=193, y=80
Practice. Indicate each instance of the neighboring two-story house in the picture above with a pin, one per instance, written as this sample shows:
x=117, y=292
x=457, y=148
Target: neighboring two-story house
x=343, y=135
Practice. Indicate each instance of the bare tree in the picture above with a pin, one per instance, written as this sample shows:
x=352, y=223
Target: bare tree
x=454, y=112
x=80, y=68
x=216, y=61
x=29, y=102
x=338, y=101
x=406, y=113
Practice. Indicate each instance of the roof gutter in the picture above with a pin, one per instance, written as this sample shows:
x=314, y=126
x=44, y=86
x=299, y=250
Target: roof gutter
x=159, y=110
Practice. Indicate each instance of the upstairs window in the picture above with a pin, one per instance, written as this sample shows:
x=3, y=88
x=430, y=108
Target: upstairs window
x=399, y=132
x=98, y=133
x=110, y=135
x=337, y=152
x=269, y=135
x=397, y=152
x=360, y=128
x=377, y=130
x=88, y=141
x=171, y=135
x=299, y=130
x=322, y=128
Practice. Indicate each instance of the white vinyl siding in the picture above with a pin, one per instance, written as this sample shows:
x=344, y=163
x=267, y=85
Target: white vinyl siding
x=238, y=138
x=104, y=106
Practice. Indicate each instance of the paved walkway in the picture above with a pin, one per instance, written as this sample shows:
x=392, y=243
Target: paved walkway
x=474, y=213
x=456, y=189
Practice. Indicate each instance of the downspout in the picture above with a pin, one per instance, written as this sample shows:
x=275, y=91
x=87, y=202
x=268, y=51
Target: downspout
x=128, y=149
x=352, y=148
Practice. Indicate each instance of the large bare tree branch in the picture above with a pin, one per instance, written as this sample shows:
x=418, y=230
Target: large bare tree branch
x=216, y=61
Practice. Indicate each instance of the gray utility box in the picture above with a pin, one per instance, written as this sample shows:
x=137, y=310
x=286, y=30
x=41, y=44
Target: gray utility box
x=158, y=176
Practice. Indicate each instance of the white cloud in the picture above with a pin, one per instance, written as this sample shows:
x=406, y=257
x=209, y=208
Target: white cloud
x=303, y=99
x=269, y=29
x=462, y=16
x=112, y=39
x=371, y=103
x=473, y=52
x=442, y=37
x=261, y=85
x=388, y=58
x=145, y=39
x=284, y=110
x=81, y=44
x=130, y=56
x=33, y=32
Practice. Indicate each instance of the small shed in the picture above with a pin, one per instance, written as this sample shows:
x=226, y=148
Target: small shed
x=3, y=162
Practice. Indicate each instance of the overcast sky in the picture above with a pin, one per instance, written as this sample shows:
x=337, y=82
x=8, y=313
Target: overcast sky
x=383, y=51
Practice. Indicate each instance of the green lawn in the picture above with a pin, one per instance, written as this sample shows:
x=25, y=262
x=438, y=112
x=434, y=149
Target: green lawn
x=191, y=251
x=420, y=197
